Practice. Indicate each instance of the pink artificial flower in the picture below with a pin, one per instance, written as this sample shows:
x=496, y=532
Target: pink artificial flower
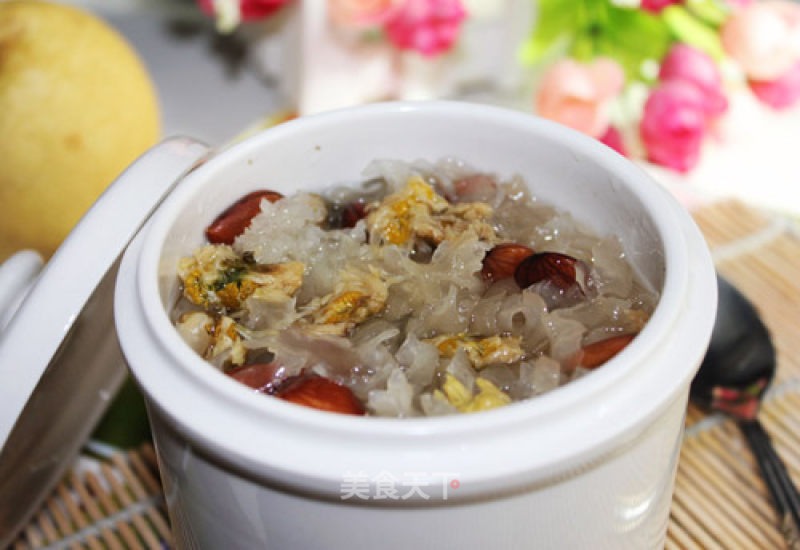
x=576, y=95
x=656, y=6
x=427, y=26
x=249, y=9
x=764, y=38
x=781, y=93
x=696, y=67
x=674, y=124
x=613, y=139
x=360, y=13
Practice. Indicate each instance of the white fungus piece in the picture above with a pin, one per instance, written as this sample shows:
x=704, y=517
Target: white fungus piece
x=195, y=328
x=296, y=219
x=432, y=405
x=419, y=359
x=565, y=335
x=396, y=308
x=545, y=375
x=614, y=274
x=395, y=400
x=461, y=367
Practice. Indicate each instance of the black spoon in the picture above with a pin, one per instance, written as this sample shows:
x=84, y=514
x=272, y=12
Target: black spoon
x=738, y=367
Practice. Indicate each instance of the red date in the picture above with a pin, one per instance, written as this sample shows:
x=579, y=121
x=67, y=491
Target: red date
x=237, y=217
x=262, y=377
x=320, y=393
x=596, y=354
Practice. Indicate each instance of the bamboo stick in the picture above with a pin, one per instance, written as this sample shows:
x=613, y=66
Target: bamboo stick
x=76, y=515
x=679, y=538
x=731, y=501
x=110, y=507
x=717, y=523
x=92, y=508
x=694, y=528
x=142, y=528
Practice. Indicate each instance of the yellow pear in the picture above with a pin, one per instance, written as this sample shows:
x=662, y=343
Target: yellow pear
x=76, y=107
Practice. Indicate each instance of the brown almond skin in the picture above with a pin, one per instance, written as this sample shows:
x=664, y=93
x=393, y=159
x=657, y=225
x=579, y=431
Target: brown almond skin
x=237, y=217
x=502, y=260
x=320, y=393
x=596, y=354
x=262, y=377
x=352, y=213
x=557, y=268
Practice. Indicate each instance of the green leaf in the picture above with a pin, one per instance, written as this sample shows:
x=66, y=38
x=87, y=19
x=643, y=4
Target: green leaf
x=631, y=37
x=644, y=34
x=590, y=28
x=556, y=20
x=692, y=31
x=713, y=12
x=583, y=48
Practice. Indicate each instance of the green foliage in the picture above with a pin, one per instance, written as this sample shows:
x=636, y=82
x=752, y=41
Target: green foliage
x=556, y=20
x=125, y=423
x=631, y=36
x=692, y=31
x=713, y=12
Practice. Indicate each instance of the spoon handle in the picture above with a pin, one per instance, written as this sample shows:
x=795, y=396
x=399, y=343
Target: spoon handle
x=784, y=493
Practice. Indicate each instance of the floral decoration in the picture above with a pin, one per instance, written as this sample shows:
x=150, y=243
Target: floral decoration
x=782, y=92
x=577, y=94
x=673, y=125
x=681, y=108
x=674, y=49
x=361, y=13
x=656, y=6
x=229, y=13
x=764, y=38
x=684, y=55
x=430, y=27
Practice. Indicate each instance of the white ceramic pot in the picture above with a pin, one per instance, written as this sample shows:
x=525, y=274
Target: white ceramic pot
x=589, y=465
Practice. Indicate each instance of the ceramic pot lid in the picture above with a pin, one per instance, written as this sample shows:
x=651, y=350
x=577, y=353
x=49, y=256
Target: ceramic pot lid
x=60, y=362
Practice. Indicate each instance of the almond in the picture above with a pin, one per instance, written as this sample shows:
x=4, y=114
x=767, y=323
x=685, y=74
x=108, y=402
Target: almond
x=596, y=354
x=237, y=217
x=352, y=213
x=559, y=269
x=502, y=260
x=320, y=393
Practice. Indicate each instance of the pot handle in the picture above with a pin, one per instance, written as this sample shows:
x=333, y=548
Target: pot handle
x=57, y=356
x=16, y=277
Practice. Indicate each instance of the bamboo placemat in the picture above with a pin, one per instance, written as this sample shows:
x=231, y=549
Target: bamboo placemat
x=720, y=501
x=112, y=504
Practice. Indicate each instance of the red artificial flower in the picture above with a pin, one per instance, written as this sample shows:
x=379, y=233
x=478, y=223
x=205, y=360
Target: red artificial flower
x=674, y=124
x=656, y=6
x=612, y=138
x=696, y=67
x=427, y=26
x=780, y=93
x=250, y=9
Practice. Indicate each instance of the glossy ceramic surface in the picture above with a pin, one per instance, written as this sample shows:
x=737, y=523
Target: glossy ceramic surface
x=60, y=362
x=592, y=462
